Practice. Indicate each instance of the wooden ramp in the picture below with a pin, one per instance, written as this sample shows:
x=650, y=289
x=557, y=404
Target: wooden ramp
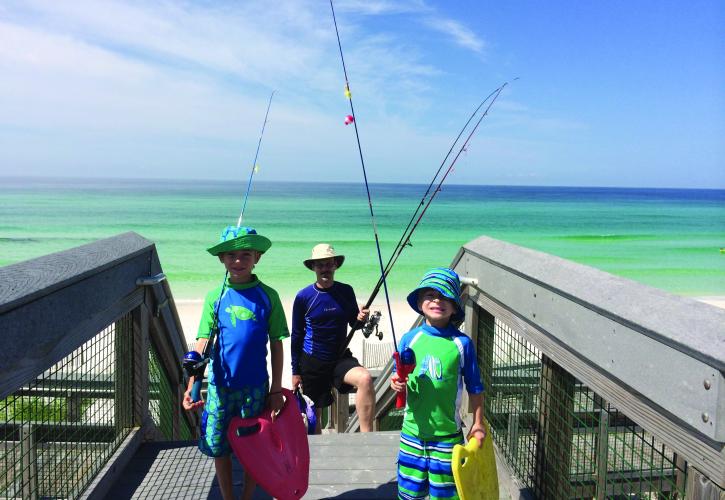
x=361, y=466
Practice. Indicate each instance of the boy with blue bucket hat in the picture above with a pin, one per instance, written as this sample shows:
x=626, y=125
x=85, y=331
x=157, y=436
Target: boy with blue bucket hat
x=445, y=362
x=250, y=315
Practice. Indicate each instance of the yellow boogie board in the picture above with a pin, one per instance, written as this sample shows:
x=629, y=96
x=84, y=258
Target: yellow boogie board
x=474, y=469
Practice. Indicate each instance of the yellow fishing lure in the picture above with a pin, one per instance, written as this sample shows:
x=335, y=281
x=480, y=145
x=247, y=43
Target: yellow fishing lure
x=474, y=469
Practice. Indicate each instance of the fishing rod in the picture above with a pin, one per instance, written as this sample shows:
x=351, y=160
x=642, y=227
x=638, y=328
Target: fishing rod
x=426, y=200
x=404, y=239
x=351, y=119
x=195, y=363
x=255, y=167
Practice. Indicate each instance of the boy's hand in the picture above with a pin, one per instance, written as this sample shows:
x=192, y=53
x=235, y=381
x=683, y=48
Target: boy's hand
x=397, y=384
x=479, y=432
x=296, y=382
x=275, y=401
x=188, y=404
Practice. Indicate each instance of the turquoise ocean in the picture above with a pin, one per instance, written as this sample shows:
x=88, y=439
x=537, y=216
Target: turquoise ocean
x=666, y=238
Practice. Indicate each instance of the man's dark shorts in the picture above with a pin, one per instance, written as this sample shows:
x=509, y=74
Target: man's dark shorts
x=318, y=377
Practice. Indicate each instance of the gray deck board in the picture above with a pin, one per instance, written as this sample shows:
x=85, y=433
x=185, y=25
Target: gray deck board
x=361, y=466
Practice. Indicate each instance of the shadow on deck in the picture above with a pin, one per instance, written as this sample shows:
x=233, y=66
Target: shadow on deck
x=341, y=466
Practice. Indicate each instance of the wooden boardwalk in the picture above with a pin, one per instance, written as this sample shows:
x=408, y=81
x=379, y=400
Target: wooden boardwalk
x=361, y=466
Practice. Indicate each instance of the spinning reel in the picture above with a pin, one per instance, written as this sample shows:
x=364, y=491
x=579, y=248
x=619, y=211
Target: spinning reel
x=372, y=325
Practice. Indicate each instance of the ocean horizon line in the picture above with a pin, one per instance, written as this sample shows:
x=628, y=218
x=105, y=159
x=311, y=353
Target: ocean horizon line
x=243, y=182
x=667, y=238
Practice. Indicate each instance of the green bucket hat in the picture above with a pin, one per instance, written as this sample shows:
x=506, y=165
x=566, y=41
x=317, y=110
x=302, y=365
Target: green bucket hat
x=240, y=238
x=447, y=283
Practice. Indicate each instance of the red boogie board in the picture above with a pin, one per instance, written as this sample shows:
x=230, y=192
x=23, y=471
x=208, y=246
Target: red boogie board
x=276, y=454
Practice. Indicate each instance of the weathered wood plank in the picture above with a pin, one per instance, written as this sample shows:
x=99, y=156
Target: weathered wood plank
x=22, y=363
x=179, y=470
x=103, y=482
x=663, y=316
x=365, y=458
x=29, y=280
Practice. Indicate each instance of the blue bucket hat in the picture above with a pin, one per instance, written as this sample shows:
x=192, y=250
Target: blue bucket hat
x=240, y=238
x=447, y=283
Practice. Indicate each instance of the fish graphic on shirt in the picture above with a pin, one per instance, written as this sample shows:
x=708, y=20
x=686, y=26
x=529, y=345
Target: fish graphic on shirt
x=239, y=313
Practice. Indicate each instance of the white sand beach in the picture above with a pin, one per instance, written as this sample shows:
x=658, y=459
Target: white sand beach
x=190, y=313
x=717, y=301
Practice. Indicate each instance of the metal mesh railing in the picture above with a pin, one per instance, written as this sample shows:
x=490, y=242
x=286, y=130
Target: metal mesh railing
x=163, y=400
x=562, y=439
x=59, y=430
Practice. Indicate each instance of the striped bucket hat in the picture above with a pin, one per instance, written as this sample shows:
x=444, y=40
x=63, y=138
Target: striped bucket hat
x=447, y=283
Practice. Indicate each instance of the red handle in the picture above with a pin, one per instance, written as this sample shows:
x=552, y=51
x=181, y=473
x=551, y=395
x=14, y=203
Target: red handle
x=403, y=370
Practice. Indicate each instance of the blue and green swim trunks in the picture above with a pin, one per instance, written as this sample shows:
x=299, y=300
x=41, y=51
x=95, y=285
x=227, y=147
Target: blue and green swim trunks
x=223, y=404
x=424, y=467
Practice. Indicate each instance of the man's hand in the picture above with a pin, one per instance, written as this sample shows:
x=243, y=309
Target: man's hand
x=362, y=316
x=275, y=402
x=479, y=432
x=397, y=384
x=296, y=382
x=188, y=404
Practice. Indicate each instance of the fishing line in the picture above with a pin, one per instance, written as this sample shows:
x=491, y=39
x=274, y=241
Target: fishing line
x=365, y=176
x=254, y=163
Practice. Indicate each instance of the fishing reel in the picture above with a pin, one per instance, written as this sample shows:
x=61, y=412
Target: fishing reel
x=372, y=325
x=194, y=364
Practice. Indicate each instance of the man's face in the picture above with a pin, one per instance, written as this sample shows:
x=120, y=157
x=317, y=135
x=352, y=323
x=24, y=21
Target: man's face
x=325, y=271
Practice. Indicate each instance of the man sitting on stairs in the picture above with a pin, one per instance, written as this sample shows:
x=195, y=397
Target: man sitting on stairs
x=321, y=314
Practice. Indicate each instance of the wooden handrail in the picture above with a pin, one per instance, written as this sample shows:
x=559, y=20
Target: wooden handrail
x=657, y=357
x=52, y=305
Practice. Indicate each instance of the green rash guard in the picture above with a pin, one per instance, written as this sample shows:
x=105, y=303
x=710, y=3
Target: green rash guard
x=250, y=315
x=444, y=359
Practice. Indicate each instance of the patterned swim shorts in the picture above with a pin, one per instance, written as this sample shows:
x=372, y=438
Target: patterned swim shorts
x=223, y=404
x=424, y=467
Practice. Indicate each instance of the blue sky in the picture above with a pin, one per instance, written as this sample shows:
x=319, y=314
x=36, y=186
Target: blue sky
x=615, y=93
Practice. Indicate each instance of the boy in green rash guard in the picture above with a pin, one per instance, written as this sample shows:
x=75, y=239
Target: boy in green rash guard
x=250, y=315
x=445, y=361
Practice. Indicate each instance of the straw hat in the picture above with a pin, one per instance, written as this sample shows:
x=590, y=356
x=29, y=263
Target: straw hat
x=240, y=238
x=324, y=251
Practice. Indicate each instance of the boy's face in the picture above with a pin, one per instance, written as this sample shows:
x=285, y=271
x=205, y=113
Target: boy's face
x=435, y=307
x=240, y=264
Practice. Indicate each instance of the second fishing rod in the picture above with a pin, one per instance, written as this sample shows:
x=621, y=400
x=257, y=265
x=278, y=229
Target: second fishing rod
x=426, y=201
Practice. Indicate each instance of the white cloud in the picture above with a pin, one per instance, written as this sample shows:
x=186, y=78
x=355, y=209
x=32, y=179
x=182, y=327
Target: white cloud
x=458, y=33
x=179, y=89
x=382, y=7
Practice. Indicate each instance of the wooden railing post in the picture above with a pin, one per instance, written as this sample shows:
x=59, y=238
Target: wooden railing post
x=602, y=449
x=29, y=462
x=123, y=373
x=486, y=323
x=74, y=404
x=141, y=363
x=340, y=410
x=555, y=431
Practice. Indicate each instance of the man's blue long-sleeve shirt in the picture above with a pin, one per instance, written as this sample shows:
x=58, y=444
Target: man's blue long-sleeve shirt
x=320, y=317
